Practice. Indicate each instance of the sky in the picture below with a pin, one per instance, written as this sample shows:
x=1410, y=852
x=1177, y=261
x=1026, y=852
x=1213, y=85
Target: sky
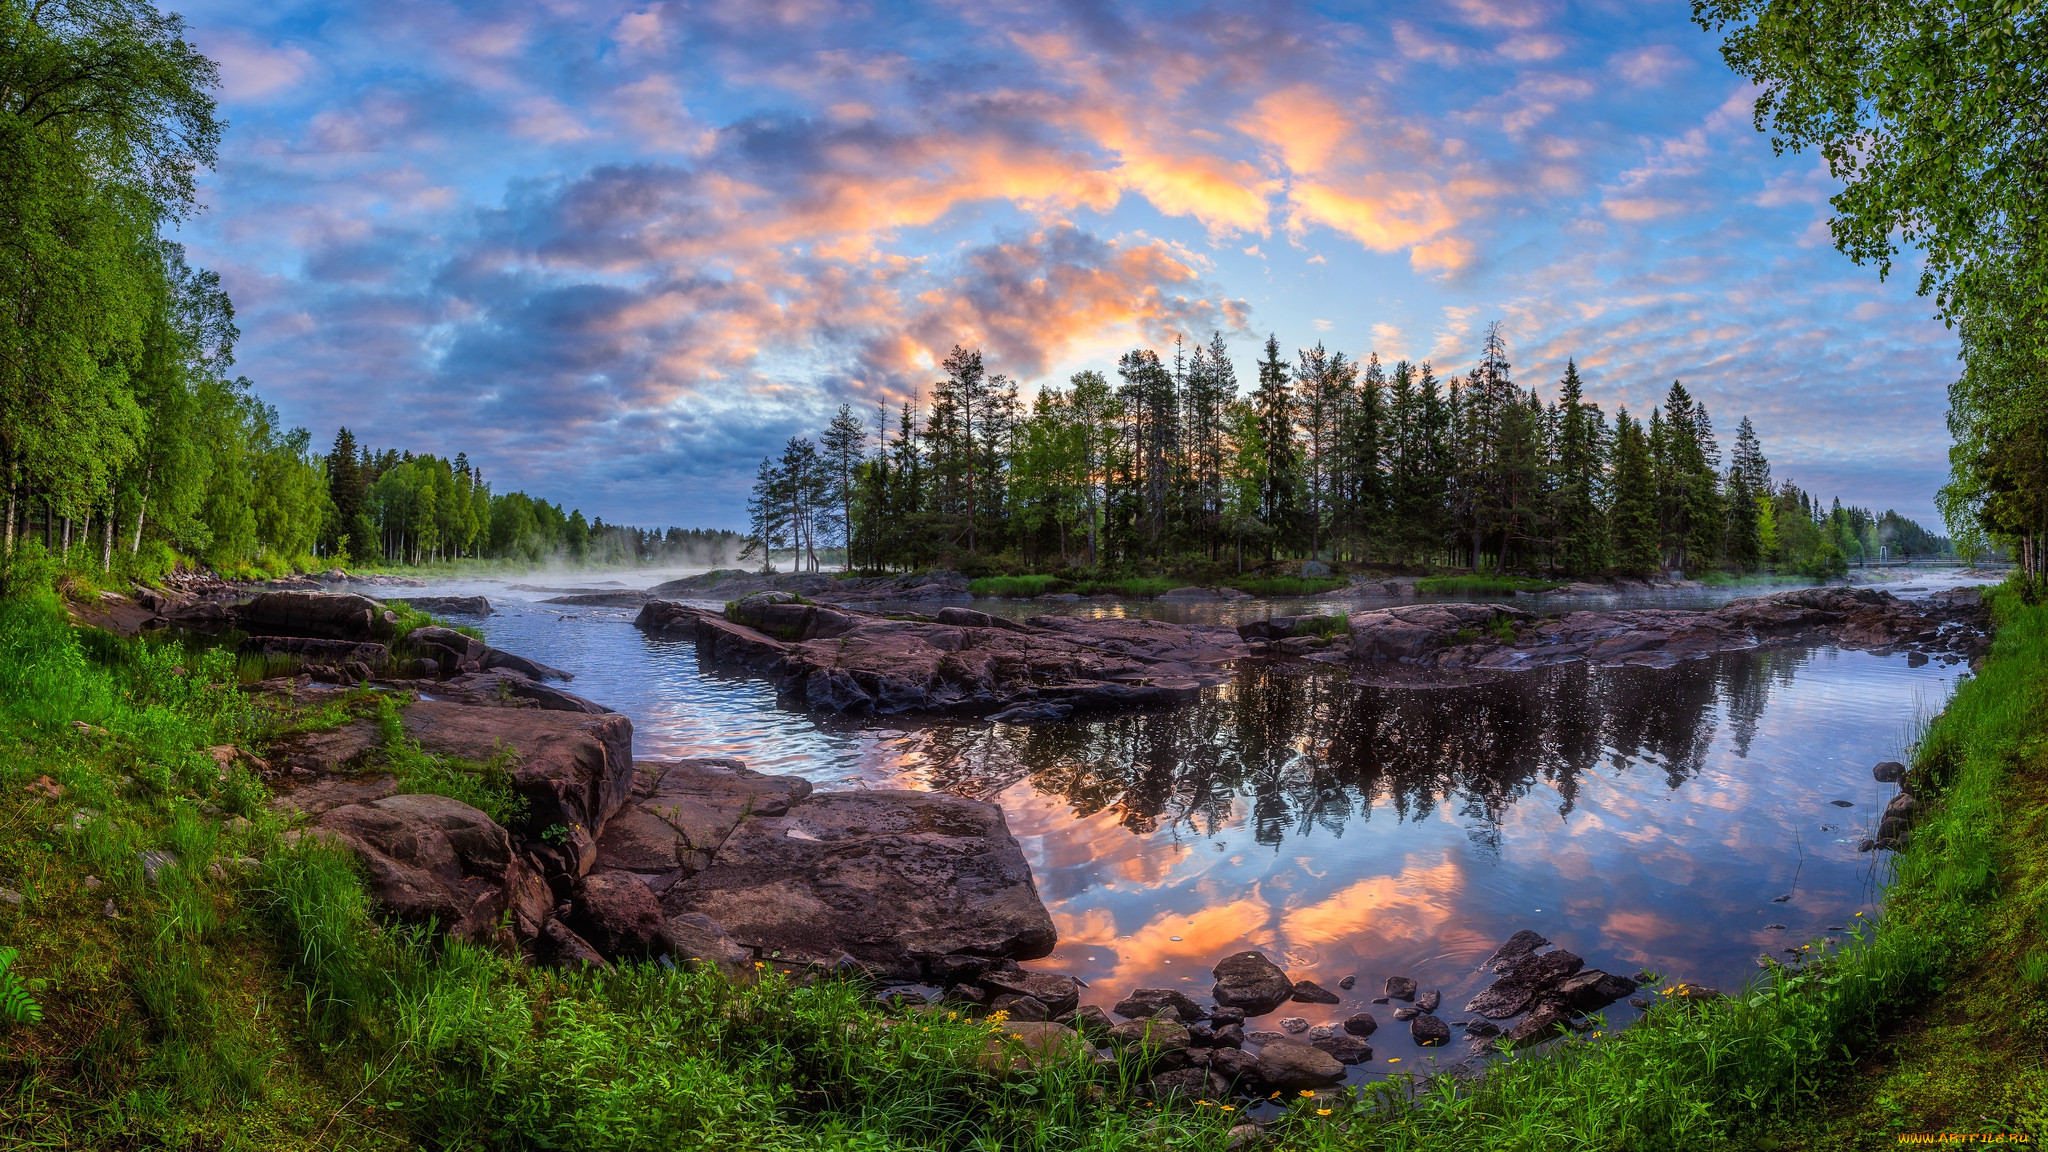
x=617, y=252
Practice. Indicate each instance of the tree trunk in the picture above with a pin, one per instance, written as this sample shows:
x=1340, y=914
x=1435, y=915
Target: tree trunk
x=107, y=539
x=141, y=510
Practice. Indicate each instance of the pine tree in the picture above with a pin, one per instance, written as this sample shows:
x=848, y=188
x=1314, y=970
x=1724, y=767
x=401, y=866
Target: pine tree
x=1581, y=530
x=1632, y=516
x=1749, y=486
x=1325, y=379
x=1282, y=480
x=845, y=442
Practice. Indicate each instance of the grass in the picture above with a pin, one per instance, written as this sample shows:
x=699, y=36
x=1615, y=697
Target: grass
x=1014, y=587
x=1273, y=586
x=1483, y=585
x=1146, y=587
x=269, y=1006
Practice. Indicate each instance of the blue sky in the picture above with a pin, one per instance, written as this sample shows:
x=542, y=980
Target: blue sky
x=617, y=252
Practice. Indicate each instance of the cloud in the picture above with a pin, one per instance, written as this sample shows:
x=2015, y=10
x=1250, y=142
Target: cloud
x=250, y=68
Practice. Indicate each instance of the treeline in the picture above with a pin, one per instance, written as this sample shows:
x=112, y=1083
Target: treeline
x=409, y=509
x=126, y=441
x=1327, y=457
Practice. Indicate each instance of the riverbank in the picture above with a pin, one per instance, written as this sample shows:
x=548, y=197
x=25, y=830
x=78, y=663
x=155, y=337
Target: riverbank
x=207, y=1027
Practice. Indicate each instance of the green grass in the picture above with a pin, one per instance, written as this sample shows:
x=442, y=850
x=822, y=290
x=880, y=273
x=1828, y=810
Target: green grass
x=1015, y=586
x=271, y=1007
x=1483, y=585
x=1272, y=586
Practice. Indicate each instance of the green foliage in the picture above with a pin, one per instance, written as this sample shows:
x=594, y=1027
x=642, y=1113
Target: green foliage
x=486, y=787
x=17, y=1000
x=1483, y=585
x=1272, y=586
x=1020, y=587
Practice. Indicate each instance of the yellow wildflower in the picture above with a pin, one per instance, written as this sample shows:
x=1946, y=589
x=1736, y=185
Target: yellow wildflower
x=1322, y=1111
x=1306, y=1094
x=1230, y=1107
x=1393, y=1059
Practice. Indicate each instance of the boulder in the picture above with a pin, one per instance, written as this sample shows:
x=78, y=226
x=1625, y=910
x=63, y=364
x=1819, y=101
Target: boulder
x=886, y=877
x=1309, y=992
x=1023, y=1044
x=1547, y=1019
x=1146, y=1002
x=432, y=858
x=1018, y=1007
x=1347, y=1049
x=1889, y=772
x=1089, y=1021
x=1060, y=994
x=505, y=687
x=455, y=651
x=695, y=936
x=1159, y=1039
x=1429, y=1000
x=1361, y=1024
x=1521, y=944
x=1186, y=1084
x=1429, y=1031
x=1400, y=988
x=319, y=615
x=495, y=658
x=348, y=748
x=1592, y=990
x=1287, y=1066
x=1249, y=981
x=559, y=944
x=1521, y=980
x=574, y=770
x=619, y=915
x=681, y=811
x=316, y=651
x=447, y=605
x=1234, y=1065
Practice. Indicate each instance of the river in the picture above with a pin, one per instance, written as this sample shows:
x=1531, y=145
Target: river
x=1644, y=819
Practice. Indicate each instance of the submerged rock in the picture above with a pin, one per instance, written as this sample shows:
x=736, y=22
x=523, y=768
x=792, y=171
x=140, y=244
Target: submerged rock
x=1146, y=1002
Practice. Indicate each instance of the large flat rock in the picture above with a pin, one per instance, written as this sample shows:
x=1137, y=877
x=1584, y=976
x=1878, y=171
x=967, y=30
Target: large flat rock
x=881, y=876
x=432, y=858
x=960, y=661
x=574, y=769
x=682, y=811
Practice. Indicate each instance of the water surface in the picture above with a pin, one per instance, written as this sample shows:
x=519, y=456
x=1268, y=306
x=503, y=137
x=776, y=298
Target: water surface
x=1644, y=819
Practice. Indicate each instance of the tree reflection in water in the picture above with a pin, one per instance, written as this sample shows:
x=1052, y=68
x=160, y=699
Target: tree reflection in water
x=1306, y=749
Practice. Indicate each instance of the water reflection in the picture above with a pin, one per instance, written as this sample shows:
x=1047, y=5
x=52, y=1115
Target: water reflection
x=1315, y=750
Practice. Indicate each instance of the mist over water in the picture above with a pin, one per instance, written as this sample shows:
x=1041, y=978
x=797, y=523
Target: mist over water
x=1641, y=818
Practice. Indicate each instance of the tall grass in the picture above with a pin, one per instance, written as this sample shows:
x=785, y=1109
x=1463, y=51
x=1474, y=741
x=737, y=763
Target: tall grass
x=1271, y=586
x=1015, y=586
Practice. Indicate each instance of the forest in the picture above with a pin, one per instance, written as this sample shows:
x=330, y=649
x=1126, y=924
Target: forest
x=1328, y=458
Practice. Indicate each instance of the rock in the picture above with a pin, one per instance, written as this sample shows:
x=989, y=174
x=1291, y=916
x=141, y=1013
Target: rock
x=1154, y=1038
x=498, y=660
x=1324, y=1031
x=1889, y=772
x=1243, y=1138
x=1090, y=1021
x=1233, y=1064
x=963, y=662
x=1429, y=1031
x=617, y=914
x=1592, y=990
x=1060, y=994
x=1229, y=1036
x=446, y=605
x=562, y=946
x=1521, y=980
x=432, y=858
x=1407, y=1012
x=1294, y=1025
x=572, y=769
x=695, y=936
x=155, y=861
x=1189, y=593
x=1347, y=1049
x=317, y=651
x=1521, y=944
x=1547, y=1019
x=1186, y=1084
x=455, y=651
x=1146, y=1002
x=1695, y=992
x=681, y=812
x=1361, y=1024
x=1287, y=1066
x=1400, y=988
x=512, y=689
x=1309, y=992
x=1347, y=983
x=1031, y=1044
x=1018, y=1007
x=1429, y=1000
x=1249, y=981
x=1482, y=1029
x=1224, y=1014
x=319, y=615
x=944, y=971
x=887, y=877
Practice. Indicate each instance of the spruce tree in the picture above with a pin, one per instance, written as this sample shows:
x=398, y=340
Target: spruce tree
x=1581, y=529
x=1632, y=516
x=1282, y=480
